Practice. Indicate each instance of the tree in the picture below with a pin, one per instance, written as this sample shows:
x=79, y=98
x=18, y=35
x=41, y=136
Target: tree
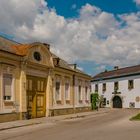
x=94, y=101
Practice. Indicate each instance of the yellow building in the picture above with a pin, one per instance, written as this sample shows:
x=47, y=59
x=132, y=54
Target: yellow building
x=36, y=83
x=71, y=89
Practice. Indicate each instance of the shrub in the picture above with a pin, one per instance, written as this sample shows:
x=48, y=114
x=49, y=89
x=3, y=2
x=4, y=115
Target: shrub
x=94, y=101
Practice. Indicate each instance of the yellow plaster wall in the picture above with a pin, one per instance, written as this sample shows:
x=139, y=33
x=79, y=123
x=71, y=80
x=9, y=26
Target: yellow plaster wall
x=63, y=74
x=0, y=87
x=11, y=65
x=49, y=93
x=23, y=107
x=20, y=72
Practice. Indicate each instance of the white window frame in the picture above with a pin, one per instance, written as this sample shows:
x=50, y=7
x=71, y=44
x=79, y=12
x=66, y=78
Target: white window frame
x=12, y=87
x=80, y=92
x=67, y=95
x=86, y=93
x=58, y=97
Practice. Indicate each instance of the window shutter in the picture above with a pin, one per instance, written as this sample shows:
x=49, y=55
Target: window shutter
x=7, y=79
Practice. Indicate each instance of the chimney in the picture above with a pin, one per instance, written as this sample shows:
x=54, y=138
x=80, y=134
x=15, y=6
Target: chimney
x=116, y=67
x=73, y=66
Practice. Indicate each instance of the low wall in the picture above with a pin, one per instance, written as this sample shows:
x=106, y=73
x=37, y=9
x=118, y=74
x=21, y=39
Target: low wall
x=65, y=111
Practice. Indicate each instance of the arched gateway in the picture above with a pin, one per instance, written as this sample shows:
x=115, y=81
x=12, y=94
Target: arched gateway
x=117, y=102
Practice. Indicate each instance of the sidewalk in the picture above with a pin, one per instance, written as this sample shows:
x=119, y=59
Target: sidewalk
x=49, y=120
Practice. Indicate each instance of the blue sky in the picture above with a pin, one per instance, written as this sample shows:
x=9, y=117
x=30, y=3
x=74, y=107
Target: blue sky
x=95, y=34
x=70, y=9
x=64, y=7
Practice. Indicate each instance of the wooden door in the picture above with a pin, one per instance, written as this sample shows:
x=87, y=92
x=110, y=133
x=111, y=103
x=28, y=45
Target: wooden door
x=40, y=97
x=36, y=97
x=117, y=102
x=30, y=96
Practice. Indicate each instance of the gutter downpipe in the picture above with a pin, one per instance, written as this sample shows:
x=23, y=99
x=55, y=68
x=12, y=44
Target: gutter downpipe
x=74, y=93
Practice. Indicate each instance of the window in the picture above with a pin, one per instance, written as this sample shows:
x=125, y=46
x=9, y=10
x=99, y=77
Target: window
x=37, y=56
x=86, y=93
x=104, y=101
x=57, y=90
x=131, y=104
x=108, y=102
x=40, y=85
x=116, y=86
x=80, y=94
x=104, y=87
x=7, y=86
x=40, y=101
x=130, y=84
x=90, y=88
x=67, y=91
x=96, y=87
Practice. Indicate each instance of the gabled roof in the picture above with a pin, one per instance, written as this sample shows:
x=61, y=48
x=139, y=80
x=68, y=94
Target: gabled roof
x=19, y=49
x=16, y=49
x=22, y=49
x=65, y=65
x=5, y=44
x=122, y=72
x=62, y=63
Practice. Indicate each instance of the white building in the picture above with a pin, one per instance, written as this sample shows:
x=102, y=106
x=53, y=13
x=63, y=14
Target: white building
x=120, y=88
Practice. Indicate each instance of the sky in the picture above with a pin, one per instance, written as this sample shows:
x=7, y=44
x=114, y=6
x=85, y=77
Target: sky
x=95, y=34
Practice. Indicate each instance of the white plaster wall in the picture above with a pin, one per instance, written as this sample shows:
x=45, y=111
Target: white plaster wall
x=126, y=94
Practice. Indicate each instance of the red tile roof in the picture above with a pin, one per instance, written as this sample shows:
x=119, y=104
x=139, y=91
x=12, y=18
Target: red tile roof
x=117, y=73
x=65, y=65
x=21, y=49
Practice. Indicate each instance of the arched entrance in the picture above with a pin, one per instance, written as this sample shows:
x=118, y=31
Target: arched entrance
x=117, y=102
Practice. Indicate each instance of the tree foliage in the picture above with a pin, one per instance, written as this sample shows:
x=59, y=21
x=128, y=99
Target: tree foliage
x=94, y=100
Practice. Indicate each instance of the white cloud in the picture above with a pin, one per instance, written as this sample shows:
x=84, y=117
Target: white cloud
x=94, y=36
x=89, y=10
x=137, y=2
x=101, y=68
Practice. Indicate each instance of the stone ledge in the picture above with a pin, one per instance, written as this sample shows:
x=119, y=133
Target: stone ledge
x=6, y=117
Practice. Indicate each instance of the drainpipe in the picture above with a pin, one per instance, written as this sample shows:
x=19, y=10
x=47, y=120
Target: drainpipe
x=74, y=93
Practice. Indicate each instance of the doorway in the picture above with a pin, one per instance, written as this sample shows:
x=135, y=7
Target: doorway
x=36, y=97
x=117, y=102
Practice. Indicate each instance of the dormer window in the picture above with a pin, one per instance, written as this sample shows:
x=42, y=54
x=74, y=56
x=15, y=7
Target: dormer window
x=56, y=61
x=37, y=56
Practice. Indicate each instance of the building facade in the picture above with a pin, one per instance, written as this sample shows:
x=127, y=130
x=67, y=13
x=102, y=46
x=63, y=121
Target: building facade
x=67, y=97
x=119, y=88
x=36, y=83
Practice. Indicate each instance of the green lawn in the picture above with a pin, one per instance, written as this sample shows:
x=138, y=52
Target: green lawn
x=135, y=118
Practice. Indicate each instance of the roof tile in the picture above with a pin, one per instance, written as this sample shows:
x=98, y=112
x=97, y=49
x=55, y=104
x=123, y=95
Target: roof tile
x=117, y=73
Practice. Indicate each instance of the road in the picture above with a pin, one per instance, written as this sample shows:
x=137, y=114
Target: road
x=112, y=125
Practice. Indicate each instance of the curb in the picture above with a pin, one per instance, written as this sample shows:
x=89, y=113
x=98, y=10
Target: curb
x=6, y=128
x=73, y=116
